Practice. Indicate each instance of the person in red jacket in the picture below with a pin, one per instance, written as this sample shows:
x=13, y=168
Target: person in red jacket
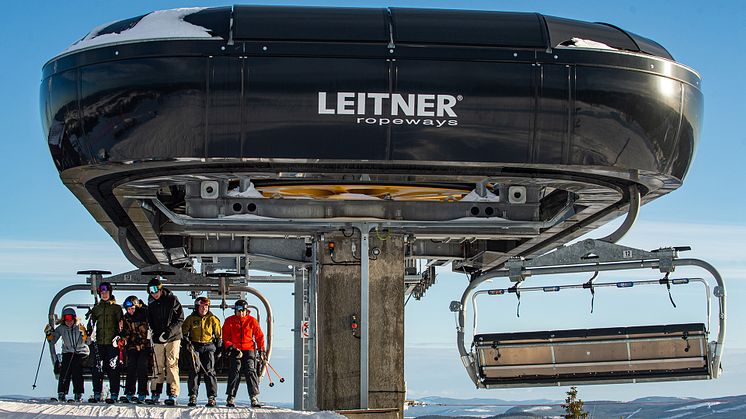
x=244, y=344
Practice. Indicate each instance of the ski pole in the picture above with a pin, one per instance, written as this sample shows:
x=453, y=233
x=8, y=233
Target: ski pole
x=282, y=380
x=269, y=376
x=33, y=386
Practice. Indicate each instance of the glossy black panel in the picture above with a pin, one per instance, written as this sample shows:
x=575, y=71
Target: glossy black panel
x=310, y=24
x=217, y=20
x=145, y=108
x=561, y=30
x=650, y=47
x=468, y=27
x=492, y=117
x=625, y=119
x=224, y=107
x=64, y=133
x=689, y=132
x=281, y=108
x=553, y=120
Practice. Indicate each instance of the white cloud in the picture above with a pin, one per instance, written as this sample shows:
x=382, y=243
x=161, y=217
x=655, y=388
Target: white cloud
x=57, y=259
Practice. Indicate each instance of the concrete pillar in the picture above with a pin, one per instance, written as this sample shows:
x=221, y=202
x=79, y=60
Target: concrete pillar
x=338, y=374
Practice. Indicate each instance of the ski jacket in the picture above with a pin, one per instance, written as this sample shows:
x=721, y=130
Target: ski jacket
x=136, y=329
x=242, y=332
x=165, y=315
x=107, y=316
x=73, y=338
x=202, y=329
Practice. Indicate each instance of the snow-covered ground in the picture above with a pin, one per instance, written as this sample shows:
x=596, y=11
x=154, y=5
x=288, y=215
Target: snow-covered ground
x=26, y=409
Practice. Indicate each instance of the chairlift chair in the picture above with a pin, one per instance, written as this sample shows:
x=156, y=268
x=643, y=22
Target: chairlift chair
x=181, y=281
x=624, y=354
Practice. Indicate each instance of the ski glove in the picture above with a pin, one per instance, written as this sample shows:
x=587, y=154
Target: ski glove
x=232, y=351
x=48, y=329
x=163, y=338
x=115, y=341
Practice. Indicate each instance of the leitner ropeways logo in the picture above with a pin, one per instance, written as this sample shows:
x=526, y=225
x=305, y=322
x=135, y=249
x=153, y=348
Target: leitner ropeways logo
x=434, y=110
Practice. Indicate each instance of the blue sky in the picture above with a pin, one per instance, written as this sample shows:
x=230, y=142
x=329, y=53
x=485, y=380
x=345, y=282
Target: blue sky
x=46, y=235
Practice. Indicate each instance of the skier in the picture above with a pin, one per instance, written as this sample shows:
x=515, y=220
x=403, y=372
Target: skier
x=165, y=317
x=135, y=337
x=74, y=351
x=202, y=333
x=244, y=344
x=106, y=315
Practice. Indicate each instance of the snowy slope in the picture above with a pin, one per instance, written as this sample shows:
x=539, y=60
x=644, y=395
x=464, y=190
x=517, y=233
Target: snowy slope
x=18, y=409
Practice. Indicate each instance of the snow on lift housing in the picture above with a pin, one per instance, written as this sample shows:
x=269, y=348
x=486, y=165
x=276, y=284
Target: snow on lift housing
x=177, y=280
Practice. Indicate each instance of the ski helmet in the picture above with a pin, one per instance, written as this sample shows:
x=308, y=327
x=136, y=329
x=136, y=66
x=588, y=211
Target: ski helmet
x=131, y=301
x=68, y=313
x=201, y=301
x=155, y=284
x=104, y=286
x=240, y=305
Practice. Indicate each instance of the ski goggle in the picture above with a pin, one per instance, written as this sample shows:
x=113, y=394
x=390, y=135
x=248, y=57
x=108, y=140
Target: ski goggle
x=103, y=287
x=153, y=289
x=240, y=307
x=202, y=302
x=128, y=303
x=68, y=317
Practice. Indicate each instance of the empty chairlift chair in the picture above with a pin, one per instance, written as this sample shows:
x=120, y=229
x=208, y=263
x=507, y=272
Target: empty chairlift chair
x=603, y=355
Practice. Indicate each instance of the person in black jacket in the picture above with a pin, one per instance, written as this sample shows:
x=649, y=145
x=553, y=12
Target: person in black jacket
x=165, y=317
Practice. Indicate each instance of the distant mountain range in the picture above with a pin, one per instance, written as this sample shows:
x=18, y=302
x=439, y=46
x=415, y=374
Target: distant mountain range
x=731, y=407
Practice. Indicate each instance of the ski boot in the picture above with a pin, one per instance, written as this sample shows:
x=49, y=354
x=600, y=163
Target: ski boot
x=96, y=398
x=230, y=401
x=61, y=397
x=170, y=401
x=78, y=397
x=255, y=401
x=126, y=398
x=192, y=401
x=210, y=401
x=154, y=398
x=112, y=398
x=139, y=399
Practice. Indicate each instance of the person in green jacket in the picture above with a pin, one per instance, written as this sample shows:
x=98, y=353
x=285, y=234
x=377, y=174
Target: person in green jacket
x=106, y=316
x=203, y=331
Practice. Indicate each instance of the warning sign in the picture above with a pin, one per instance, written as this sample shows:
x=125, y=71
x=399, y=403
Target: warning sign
x=304, y=329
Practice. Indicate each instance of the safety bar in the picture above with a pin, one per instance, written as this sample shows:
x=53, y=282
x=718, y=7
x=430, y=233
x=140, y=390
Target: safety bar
x=618, y=284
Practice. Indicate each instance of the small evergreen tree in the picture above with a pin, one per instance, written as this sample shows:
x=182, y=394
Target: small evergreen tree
x=573, y=405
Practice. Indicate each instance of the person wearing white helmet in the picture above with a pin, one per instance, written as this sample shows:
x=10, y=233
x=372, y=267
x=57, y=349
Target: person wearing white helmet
x=202, y=333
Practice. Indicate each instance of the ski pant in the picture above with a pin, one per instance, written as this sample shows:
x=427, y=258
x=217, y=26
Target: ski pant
x=71, y=369
x=167, y=365
x=206, y=353
x=137, y=371
x=108, y=356
x=245, y=366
